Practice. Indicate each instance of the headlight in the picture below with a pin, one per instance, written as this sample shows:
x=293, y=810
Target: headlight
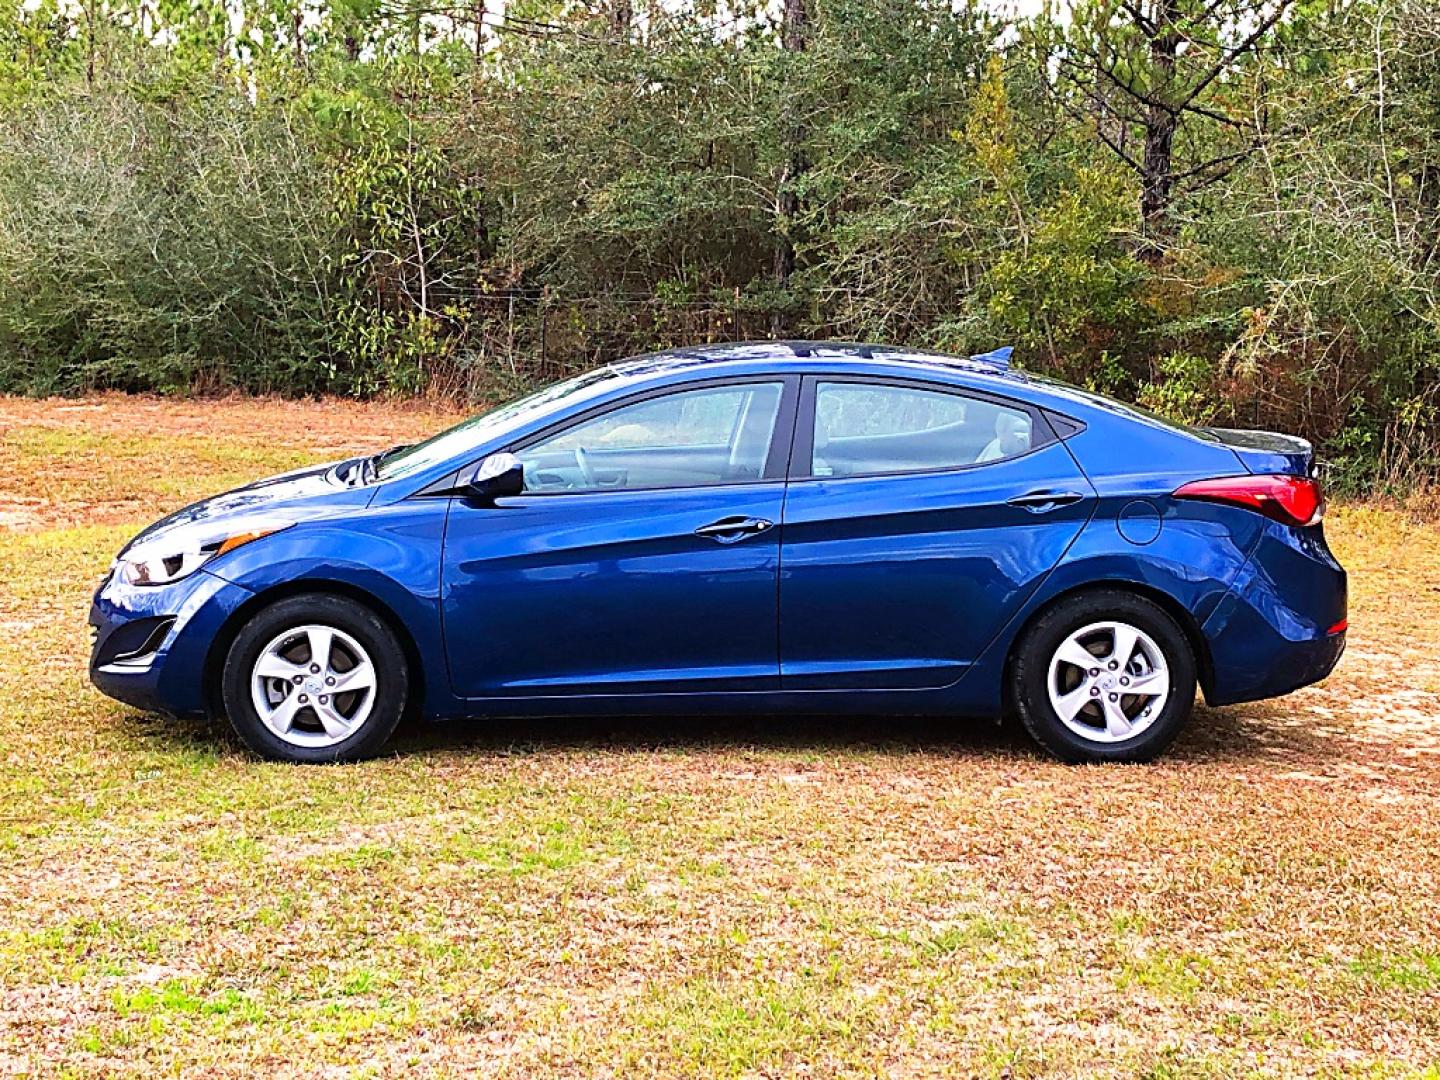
x=178, y=553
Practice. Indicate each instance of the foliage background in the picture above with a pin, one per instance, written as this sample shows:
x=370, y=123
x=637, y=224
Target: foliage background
x=441, y=197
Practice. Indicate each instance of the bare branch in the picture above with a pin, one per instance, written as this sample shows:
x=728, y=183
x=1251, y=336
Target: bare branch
x=1147, y=27
x=1100, y=131
x=1227, y=56
x=1231, y=159
x=1211, y=114
x=1109, y=73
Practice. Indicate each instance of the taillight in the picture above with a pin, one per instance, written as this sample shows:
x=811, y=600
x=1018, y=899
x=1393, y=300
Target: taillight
x=1294, y=500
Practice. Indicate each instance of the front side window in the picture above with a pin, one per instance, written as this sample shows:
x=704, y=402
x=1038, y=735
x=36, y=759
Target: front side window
x=864, y=429
x=690, y=438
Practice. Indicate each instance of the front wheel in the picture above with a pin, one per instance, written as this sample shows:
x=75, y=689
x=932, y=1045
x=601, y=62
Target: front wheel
x=1104, y=676
x=315, y=678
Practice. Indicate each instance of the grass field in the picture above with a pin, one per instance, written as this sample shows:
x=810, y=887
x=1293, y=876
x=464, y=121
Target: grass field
x=719, y=897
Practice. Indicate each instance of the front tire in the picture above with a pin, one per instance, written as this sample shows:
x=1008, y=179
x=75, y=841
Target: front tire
x=1105, y=675
x=315, y=678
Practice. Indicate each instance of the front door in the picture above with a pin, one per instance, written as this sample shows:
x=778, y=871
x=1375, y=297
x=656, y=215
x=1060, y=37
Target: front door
x=918, y=520
x=641, y=558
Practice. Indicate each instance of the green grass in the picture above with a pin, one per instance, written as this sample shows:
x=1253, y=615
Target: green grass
x=701, y=898
x=1417, y=971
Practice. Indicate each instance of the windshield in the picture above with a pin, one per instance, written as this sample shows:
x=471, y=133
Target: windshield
x=478, y=429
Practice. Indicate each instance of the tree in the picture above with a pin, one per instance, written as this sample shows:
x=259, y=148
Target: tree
x=1162, y=72
x=794, y=37
x=1225, y=209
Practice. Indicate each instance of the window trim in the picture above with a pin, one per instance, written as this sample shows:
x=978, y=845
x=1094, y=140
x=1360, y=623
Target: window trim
x=776, y=455
x=802, y=457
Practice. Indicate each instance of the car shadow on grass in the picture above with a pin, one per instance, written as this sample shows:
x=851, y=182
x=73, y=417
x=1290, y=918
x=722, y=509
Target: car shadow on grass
x=1253, y=734
x=1229, y=735
x=826, y=734
x=639, y=734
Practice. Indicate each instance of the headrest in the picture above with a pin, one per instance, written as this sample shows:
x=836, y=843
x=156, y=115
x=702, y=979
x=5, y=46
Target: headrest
x=1013, y=431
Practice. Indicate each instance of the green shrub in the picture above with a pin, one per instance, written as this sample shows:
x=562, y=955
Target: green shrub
x=150, y=243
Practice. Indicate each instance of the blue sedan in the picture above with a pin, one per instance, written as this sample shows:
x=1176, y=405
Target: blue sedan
x=772, y=527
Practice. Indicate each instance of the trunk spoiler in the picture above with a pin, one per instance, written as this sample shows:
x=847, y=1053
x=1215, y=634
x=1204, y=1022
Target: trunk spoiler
x=1265, y=452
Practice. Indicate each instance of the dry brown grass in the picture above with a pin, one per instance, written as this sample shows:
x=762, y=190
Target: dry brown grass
x=729, y=896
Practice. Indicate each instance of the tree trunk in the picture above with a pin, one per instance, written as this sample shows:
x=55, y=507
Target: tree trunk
x=794, y=34
x=794, y=26
x=1156, y=180
x=622, y=15
x=297, y=26
x=90, y=15
x=1157, y=175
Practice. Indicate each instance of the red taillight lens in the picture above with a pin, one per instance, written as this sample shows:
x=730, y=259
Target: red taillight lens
x=1294, y=500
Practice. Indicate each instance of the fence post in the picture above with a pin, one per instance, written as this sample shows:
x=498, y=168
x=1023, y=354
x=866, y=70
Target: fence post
x=544, y=325
x=510, y=332
x=737, y=314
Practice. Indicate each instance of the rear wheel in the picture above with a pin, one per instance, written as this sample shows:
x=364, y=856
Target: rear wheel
x=1104, y=676
x=315, y=679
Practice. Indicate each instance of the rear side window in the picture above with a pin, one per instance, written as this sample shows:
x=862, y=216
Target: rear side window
x=865, y=429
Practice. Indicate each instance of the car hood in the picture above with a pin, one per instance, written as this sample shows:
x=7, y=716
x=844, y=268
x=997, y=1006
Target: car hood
x=306, y=492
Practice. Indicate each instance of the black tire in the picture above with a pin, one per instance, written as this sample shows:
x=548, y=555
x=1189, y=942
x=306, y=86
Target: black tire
x=1030, y=672
x=390, y=693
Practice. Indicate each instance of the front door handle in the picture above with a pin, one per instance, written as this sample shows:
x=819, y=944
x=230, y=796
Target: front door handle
x=729, y=530
x=1042, y=502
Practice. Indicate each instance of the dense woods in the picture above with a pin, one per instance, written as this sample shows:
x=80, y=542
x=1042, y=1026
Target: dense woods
x=1223, y=209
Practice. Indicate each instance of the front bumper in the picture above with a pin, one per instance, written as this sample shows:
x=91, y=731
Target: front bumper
x=1282, y=624
x=151, y=644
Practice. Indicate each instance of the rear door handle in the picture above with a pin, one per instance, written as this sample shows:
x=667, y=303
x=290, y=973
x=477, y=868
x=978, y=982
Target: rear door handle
x=729, y=530
x=1042, y=502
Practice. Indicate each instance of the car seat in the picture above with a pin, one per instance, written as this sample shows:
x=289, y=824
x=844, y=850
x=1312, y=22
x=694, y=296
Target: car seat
x=1012, y=436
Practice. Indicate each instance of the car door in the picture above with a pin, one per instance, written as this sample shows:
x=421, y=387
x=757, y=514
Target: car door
x=641, y=557
x=919, y=517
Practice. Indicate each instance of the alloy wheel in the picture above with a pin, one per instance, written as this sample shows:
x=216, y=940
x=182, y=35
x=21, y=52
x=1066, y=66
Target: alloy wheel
x=313, y=686
x=1108, y=682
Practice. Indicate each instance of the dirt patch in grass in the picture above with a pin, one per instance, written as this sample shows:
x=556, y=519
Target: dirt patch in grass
x=728, y=896
x=328, y=427
x=113, y=458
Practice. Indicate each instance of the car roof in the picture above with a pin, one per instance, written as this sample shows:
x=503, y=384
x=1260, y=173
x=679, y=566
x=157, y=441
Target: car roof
x=990, y=371
x=800, y=356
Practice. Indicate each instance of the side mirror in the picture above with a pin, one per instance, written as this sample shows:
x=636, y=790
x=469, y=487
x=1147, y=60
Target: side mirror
x=498, y=476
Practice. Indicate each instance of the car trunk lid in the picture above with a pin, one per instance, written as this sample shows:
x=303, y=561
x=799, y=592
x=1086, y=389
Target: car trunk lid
x=1266, y=452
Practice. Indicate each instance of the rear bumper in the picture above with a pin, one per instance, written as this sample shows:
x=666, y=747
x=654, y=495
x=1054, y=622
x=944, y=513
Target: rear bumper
x=1281, y=626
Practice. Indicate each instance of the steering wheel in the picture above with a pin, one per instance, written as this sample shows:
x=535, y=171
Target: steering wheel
x=582, y=462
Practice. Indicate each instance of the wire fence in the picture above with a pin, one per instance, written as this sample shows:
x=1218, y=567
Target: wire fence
x=538, y=335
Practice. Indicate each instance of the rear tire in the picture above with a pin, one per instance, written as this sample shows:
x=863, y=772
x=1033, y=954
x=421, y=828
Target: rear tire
x=1105, y=675
x=315, y=678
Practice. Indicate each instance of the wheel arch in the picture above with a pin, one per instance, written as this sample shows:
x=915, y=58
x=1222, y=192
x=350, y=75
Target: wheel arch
x=220, y=644
x=1183, y=617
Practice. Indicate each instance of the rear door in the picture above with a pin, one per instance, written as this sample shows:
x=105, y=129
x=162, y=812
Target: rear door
x=918, y=519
